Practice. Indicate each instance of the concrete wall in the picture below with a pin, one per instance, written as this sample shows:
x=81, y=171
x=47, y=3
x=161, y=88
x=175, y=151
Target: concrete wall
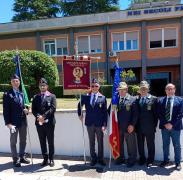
x=68, y=137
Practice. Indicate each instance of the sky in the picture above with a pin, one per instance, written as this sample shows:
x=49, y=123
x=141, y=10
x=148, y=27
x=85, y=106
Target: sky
x=6, y=12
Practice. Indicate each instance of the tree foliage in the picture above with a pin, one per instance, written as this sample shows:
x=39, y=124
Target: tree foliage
x=34, y=65
x=77, y=7
x=127, y=75
x=35, y=9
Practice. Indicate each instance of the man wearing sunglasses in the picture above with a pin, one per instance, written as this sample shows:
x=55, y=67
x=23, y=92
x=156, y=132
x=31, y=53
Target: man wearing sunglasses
x=95, y=120
x=43, y=108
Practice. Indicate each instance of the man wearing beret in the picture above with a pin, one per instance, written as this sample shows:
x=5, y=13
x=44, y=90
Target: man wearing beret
x=127, y=113
x=146, y=124
x=95, y=120
x=43, y=108
x=14, y=112
x=170, y=114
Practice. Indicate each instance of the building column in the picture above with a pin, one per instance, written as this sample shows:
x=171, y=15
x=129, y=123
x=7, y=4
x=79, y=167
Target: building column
x=143, y=54
x=71, y=42
x=106, y=42
x=38, y=42
x=181, y=60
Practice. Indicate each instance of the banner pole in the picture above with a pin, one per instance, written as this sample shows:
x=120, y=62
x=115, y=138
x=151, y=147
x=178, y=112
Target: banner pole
x=84, y=155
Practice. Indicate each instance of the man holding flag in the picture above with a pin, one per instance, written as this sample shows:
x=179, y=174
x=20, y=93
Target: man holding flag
x=15, y=109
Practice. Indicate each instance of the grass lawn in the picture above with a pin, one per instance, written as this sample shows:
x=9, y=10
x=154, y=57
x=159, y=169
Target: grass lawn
x=65, y=103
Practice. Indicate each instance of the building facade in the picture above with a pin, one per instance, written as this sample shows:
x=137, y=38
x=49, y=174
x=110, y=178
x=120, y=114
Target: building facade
x=148, y=41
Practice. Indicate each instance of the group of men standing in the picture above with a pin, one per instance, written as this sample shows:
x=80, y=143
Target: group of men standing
x=137, y=117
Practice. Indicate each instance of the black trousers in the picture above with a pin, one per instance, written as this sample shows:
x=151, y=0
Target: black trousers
x=92, y=131
x=131, y=145
x=150, y=138
x=46, y=135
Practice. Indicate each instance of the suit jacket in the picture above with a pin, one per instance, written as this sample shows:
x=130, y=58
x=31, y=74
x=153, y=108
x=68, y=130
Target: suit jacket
x=96, y=115
x=127, y=112
x=46, y=107
x=148, y=119
x=177, y=113
x=13, y=110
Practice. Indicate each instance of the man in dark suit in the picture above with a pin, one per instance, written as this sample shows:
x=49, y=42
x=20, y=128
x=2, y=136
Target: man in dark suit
x=146, y=124
x=170, y=113
x=43, y=108
x=95, y=120
x=127, y=113
x=15, y=112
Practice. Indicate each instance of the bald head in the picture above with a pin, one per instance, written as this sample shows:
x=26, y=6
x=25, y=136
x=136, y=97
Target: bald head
x=170, y=89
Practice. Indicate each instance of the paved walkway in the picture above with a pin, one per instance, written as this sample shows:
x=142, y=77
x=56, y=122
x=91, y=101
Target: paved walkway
x=74, y=169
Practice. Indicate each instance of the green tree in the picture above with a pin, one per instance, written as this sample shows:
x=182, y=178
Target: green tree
x=77, y=7
x=127, y=75
x=26, y=10
x=34, y=65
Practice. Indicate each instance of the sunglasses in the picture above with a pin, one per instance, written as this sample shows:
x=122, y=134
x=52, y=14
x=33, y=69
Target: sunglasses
x=94, y=86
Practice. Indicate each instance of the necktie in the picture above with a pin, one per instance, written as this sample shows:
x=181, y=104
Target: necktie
x=142, y=101
x=167, y=110
x=93, y=100
x=42, y=97
x=121, y=100
x=18, y=97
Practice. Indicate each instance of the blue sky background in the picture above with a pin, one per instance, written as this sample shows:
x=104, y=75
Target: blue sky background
x=6, y=6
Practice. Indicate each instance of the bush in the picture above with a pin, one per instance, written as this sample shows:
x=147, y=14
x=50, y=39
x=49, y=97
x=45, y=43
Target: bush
x=133, y=89
x=34, y=65
x=106, y=90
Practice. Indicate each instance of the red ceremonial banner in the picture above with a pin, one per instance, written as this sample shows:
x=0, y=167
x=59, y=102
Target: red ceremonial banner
x=76, y=76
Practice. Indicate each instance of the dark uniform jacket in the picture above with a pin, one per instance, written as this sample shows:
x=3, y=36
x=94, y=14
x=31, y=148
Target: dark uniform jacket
x=147, y=120
x=96, y=115
x=13, y=110
x=177, y=113
x=127, y=112
x=45, y=107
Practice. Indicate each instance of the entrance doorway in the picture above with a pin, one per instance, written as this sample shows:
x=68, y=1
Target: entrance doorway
x=157, y=82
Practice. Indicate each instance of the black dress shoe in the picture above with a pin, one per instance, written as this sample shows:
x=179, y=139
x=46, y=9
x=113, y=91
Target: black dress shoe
x=16, y=163
x=93, y=162
x=149, y=164
x=129, y=165
x=178, y=167
x=142, y=162
x=51, y=163
x=102, y=162
x=24, y=160
x=119, y=161
x=45, y=162
x=164, y=163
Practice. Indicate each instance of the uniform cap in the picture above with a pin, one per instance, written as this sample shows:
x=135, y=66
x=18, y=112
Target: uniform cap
x=144, y=84
x=15, y=76
x=122, y=85
x=43, y=81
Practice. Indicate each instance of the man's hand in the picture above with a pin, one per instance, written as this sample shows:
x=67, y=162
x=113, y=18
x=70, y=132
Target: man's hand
x=168, y=126
x=12, y=128
x=130, y=129
x=104, y=130
x=40, y=119
x=81, y=118
x=26, y=111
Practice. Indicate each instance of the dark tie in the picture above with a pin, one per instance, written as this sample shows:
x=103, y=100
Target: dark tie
x=142, y=101
x=121, y=100
x=42, y=97
x=18, y=97
x=167, y=109
x=93, y=100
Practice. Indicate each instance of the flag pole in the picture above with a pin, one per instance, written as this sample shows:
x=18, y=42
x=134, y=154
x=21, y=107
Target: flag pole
x=84, y=155
x=29, y=139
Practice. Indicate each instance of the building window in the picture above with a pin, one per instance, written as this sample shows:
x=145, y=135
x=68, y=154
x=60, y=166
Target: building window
x=95, y=44
x=83, y=45
x=118, y=42
x=125, y=41
x=170, y=37
x=89, y=44
x=56, y=47
x=156, y=38
x=132, y=40
x=161, y=38
x=49, y=47
x=62, y=46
